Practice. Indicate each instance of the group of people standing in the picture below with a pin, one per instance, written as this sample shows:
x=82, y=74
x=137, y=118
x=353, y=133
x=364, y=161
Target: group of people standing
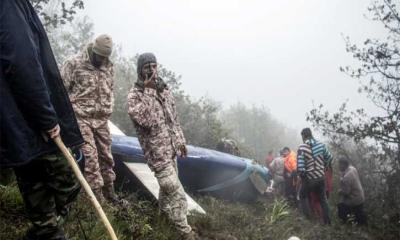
x=305, y=178
x=40, y=103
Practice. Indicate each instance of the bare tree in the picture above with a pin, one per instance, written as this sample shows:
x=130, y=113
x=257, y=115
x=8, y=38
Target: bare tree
x=57, y=12
x=377, y=137
x=380, y=81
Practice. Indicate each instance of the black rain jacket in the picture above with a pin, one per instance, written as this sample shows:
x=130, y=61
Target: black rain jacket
x=32, y=95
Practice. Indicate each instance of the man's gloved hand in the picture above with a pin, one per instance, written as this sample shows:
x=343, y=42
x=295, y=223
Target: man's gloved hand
x=183, y=151
x=149, y=82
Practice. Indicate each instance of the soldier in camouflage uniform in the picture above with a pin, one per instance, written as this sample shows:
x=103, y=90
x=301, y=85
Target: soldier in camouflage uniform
x=88, y=78
x=228, y=146
x=151, y=107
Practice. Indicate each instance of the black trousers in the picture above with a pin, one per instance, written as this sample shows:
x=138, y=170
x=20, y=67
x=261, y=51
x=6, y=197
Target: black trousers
x=290, y=188
x=345, y=212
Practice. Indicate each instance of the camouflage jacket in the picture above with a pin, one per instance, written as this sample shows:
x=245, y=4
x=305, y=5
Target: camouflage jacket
x=156, y=122
x=90, y=89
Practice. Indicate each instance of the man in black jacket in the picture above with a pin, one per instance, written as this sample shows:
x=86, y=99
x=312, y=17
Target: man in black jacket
x=34, y=108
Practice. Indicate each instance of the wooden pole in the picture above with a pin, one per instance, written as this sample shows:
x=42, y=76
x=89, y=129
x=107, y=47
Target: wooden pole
x=86, y=186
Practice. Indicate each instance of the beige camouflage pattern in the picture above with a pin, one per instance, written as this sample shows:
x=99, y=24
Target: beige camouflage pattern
x=156, y=122
x=172, y=197
x=90, y=90
x=99, y=162
x=48, y=193
x=160, y=136
x=228, y=146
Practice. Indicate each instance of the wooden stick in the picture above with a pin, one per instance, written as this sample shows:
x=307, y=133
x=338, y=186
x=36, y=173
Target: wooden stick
x=86, y=186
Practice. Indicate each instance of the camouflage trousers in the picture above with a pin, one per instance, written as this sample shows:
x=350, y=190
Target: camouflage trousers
x=172, y=197
x=47, y=185
x=99, y=162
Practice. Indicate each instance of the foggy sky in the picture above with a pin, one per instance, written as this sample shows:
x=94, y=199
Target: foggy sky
x=282, y=54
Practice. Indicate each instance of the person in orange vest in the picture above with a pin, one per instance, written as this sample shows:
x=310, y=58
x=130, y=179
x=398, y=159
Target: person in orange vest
x=290, y=176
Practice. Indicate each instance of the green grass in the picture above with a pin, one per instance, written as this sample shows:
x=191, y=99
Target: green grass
x=266, y=219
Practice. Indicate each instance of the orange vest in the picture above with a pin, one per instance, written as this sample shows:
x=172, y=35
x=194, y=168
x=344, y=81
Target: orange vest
x=291, y=162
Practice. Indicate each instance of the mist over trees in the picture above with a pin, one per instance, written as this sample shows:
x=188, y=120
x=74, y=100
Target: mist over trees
x=257, y=131
x=371, y=142
x=57, y=12
x=203, y=120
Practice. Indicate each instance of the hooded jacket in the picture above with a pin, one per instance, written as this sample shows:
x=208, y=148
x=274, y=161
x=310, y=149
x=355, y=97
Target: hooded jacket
x=32, y=98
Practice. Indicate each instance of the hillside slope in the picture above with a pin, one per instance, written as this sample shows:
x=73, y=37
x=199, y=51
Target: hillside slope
x=265, y=219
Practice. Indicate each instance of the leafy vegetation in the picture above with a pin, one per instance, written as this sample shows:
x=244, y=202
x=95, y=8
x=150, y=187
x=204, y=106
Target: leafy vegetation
x=203, y=120
x=280, y=210
x=57, y=12
x=372, y=142
x=224, y=221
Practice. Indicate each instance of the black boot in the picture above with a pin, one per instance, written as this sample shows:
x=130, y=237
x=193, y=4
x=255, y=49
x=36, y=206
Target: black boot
x=189, y=236
x=111, y=196
x=34, y=234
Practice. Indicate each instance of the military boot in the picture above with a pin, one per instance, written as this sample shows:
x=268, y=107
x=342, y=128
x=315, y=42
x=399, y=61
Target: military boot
x=189, y=236
x=34, y=234
x=111, y=196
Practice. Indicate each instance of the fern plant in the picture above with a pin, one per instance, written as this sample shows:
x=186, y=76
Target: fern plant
x=280, y=210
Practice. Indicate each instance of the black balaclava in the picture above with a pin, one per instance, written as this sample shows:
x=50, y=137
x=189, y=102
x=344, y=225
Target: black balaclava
x=144, y=59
